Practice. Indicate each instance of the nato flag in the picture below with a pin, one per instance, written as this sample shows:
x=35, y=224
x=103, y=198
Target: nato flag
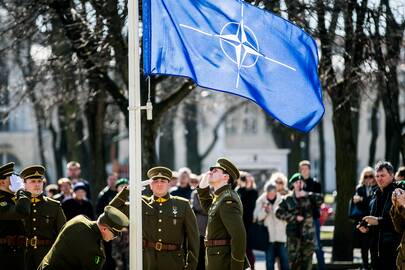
x=234, y=47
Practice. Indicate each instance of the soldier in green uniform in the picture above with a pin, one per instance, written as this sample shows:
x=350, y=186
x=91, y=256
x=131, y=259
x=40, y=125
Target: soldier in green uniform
x=296, y=208
x=46, y=219
x=79, y=245
x=225, y=236
x=14, y=206
x=170, y=232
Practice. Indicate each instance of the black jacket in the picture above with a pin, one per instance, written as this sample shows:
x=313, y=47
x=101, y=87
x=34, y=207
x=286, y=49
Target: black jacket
x=363, y=205
x=313, y=186
x=384, y=233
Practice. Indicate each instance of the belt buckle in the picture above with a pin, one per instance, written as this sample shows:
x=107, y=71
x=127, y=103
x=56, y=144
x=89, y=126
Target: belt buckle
x=33, y=242
x=158, y=246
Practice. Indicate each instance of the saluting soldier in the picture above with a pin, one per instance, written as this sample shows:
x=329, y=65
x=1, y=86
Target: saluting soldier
x=46, y=219
x=14, y=206
x=225, y=236
x=79, y=245
x=170, y=232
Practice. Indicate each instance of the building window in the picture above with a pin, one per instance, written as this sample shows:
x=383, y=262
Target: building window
x=250, y=120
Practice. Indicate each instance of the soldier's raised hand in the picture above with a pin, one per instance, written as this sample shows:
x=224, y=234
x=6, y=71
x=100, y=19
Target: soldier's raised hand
x=204, y=180
x=16, y=183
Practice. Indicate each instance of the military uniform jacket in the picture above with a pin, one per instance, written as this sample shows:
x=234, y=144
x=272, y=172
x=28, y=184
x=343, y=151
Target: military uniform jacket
x=225, y=222
x=291, y=207
x=79, y=246
x=170, y=222
x=42, y=226
x=13, y=210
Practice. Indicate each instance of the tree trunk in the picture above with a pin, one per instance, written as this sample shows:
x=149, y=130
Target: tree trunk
x=95, y=114
x=166, y=142
x=191, y=135
x=322, y=155
x=374, y=131
x=149, y=128
x=346, y=158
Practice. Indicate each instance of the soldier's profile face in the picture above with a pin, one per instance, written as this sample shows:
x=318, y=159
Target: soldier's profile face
x=35, y=186
x=216, y=175
x=160, y=187
x=5, y=182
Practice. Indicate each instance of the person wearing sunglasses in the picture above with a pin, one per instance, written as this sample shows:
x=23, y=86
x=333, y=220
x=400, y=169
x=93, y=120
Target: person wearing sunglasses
x=361, y=201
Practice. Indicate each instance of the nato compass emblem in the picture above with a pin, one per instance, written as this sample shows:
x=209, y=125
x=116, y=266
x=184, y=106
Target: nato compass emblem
x=239, y=44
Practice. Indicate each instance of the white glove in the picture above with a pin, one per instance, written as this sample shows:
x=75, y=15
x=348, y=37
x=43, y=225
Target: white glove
x=16, y=183
x=145, y=183
x=204, y=180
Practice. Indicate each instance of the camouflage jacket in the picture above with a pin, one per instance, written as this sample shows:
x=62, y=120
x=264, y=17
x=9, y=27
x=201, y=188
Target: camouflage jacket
x=291, y=207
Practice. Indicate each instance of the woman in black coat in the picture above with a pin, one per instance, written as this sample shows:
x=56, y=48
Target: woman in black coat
x=361, y=200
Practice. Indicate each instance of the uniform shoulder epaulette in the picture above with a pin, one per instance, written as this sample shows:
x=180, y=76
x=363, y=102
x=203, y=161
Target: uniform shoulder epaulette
x=52, y=200
x=145, y=197
x=178, y=198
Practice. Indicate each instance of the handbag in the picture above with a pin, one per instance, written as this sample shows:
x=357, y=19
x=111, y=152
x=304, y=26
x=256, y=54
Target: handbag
x=354, y=211
x=258, y=236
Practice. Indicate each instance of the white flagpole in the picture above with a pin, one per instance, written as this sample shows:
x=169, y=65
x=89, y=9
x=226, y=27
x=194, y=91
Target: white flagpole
x=135, y=163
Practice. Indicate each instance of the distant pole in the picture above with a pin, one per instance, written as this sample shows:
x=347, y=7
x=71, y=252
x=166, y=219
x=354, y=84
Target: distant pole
x=135, y=162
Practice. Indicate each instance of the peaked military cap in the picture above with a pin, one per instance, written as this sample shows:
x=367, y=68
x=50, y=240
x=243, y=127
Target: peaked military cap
x=114, y=219
x=6, y=170
x=160, y=172
x=35, y=171
x=294, y=178
x=228, y=167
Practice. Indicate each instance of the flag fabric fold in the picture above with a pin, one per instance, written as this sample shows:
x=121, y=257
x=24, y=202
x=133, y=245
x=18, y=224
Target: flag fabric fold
x=234, y=47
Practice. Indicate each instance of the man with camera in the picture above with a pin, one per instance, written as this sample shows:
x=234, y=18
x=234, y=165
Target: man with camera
x=384, y=238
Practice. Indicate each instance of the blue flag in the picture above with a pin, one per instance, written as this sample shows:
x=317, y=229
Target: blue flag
x=234, y=47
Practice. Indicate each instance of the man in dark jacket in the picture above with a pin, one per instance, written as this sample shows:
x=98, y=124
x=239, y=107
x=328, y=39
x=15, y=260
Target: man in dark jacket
x=384, y=238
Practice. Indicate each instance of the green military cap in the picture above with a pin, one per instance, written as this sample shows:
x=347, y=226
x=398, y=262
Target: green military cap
x=35, y=171
x=228, y=167
x=121, y=181
x=114, y=219
x=294, y=178
x=160, y=172
x=6, y=170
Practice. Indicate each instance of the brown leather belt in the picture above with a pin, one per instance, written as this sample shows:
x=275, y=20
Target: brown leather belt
x=159, y=246
x=217, y=242
x=22, y=241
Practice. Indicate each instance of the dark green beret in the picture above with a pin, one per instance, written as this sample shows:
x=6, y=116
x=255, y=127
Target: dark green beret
x=160, y=172
x=122, y=181
x=114, y=219
x=6, y=170
x=35, y=171
x=294, y=178
x=228, y=167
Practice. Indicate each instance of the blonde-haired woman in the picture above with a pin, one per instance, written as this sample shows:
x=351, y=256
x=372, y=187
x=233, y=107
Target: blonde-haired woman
x=361, y=199
x=279, y=180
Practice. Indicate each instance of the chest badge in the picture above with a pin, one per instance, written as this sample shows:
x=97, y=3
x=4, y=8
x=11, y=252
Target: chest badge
x=175, y=215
